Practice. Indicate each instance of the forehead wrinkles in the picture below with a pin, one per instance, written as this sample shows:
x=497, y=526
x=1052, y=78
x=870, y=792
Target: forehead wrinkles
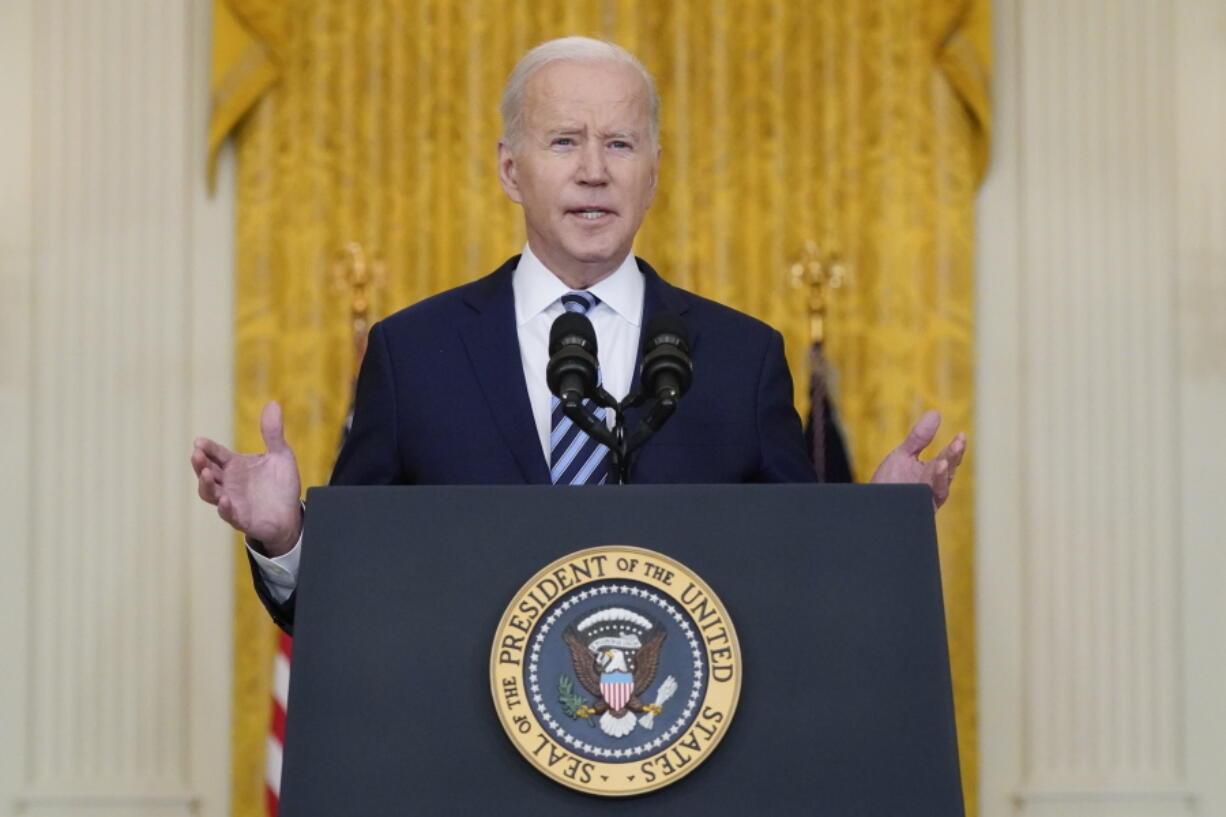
x=554, y=98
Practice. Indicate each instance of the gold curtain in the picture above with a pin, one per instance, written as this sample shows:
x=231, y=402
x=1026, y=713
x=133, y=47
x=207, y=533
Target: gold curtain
x=860, y=126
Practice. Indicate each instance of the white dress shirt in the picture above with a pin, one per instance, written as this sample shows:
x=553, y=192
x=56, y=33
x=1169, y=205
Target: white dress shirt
x=617, y=319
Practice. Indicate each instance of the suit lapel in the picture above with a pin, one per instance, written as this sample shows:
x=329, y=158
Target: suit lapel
x=491, y=339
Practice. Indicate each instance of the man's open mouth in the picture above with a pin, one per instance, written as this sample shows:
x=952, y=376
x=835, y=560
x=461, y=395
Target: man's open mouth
x=591, y=213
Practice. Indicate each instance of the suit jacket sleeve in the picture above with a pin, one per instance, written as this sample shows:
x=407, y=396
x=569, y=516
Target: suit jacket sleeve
x=370, y=455
x=281, y=612
x=780, y=434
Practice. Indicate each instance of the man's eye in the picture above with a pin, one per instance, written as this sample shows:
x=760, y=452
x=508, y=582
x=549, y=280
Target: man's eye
x=563, y=141
x=620, y=144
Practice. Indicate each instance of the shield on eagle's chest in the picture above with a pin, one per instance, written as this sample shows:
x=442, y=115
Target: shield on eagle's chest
x=616, y=687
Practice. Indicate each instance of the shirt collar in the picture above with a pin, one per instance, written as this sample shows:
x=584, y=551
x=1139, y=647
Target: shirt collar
x=536, y=289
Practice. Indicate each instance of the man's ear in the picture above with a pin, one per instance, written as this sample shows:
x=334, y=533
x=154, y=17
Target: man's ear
x=655, y=176
x=508, y=172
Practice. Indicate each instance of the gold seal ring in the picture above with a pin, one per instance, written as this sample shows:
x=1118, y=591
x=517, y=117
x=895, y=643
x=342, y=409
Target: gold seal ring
x=615, y=670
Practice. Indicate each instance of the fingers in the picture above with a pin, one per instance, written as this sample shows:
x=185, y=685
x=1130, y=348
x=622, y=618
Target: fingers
x=226, y=511
x=218, y=453
x=199, y=461
x=953, y=452
x=921, y=433
x=946, y=466
x=208, y=474
x=941, y=476
x=272, y=428
x=208, y=487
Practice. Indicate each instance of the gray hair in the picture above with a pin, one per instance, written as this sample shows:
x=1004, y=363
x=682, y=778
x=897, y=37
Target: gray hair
x=578, y=49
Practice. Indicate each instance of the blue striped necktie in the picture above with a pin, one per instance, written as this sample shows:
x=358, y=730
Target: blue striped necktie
x=574, y=457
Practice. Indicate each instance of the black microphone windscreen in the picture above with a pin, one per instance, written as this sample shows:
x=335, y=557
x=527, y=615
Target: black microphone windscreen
x=667, y=327
x=572, y=329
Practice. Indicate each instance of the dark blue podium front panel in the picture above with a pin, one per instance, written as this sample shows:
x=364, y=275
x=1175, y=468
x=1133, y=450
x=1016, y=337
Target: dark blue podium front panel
x=835, y=593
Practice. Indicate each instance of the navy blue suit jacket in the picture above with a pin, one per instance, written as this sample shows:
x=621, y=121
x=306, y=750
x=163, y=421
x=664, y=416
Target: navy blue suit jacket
x=441, y=400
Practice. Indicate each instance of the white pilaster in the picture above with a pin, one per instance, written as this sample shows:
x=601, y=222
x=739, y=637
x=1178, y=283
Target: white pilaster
x=1200, y=281
x=120, y=624
x=1100, y=229
x=16, y=252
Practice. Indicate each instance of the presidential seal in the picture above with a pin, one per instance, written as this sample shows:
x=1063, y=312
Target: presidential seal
x=615, y=670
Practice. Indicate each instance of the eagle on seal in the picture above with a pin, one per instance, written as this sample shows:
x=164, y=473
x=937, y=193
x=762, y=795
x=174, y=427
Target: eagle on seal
x=615, y=653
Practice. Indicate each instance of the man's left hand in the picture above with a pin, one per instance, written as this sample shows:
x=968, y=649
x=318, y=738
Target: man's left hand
x=904, y=465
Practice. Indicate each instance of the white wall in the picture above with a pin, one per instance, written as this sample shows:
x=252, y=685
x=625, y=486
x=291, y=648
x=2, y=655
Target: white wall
x=115, y=313
x=1102, y=381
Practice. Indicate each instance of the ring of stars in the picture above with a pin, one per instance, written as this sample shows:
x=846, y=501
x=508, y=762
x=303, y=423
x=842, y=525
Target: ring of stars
x=665, y=737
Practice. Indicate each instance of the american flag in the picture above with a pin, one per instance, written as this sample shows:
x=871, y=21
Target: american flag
x=827, y=448
x=276, y=729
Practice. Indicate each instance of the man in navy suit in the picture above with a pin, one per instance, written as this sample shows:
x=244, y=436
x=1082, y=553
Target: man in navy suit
x=452, y=390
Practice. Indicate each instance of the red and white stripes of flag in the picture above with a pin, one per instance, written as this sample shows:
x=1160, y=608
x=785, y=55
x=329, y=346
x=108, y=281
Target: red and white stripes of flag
x=276, y=728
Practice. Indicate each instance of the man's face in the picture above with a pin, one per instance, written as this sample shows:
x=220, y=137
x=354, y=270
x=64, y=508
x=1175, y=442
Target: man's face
x=584, y=168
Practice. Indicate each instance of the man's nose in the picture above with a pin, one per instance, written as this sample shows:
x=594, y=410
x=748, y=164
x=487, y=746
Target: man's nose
x=592, y=169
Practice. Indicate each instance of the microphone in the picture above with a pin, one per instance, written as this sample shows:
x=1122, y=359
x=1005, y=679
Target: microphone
x=667, y=368
x=571, y=373
x=666, y=375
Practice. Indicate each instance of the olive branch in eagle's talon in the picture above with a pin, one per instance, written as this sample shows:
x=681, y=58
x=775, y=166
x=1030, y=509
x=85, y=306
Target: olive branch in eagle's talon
x=572, y=704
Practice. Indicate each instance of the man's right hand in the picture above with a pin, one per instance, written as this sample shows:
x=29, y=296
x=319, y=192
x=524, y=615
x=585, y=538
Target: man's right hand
x=256, y=493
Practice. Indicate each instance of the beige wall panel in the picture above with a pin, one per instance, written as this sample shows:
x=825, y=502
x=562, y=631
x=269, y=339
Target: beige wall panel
x=16, y=252
x=1102, y=243
x=119, y=617
x=1200, y=280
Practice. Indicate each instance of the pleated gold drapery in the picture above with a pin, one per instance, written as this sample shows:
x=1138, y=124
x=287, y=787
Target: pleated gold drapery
x=860, y=126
